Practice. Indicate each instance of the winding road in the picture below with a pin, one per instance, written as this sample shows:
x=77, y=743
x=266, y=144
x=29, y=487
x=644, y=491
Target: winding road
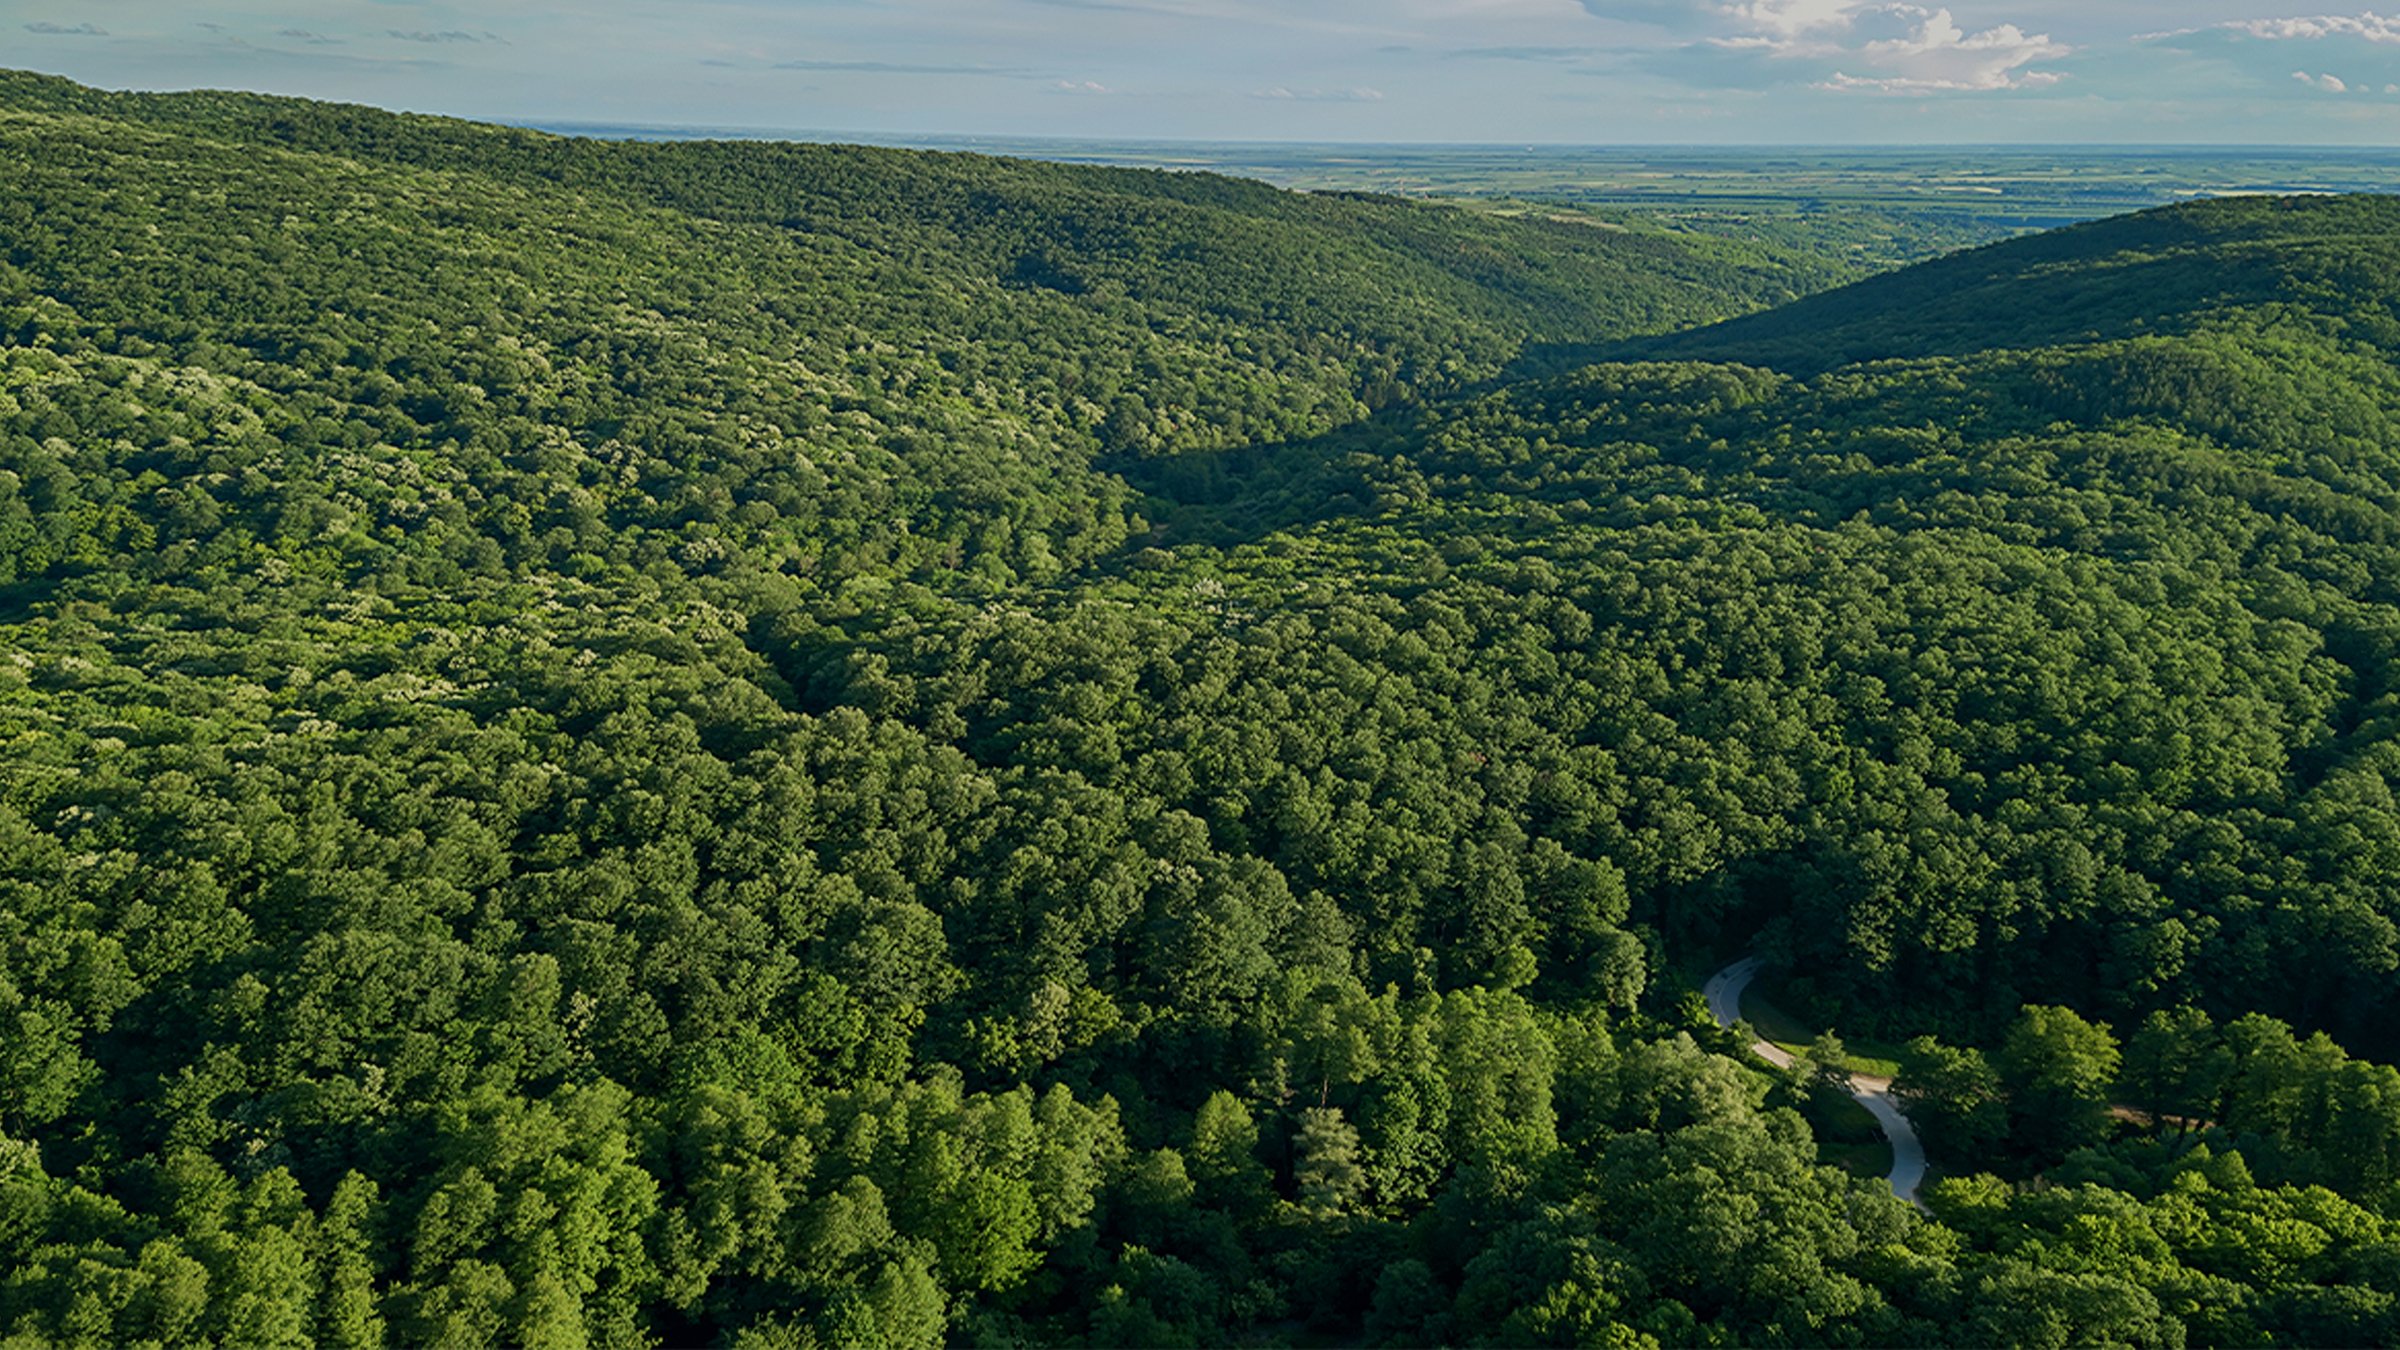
x=1724, y=993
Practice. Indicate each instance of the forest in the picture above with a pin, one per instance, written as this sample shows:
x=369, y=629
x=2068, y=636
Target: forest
x=776, y=745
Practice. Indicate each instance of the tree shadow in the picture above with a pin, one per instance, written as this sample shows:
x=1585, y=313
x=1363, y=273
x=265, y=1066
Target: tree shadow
x=1225, y=498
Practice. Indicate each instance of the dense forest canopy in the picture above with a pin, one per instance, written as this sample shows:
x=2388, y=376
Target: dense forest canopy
x=791, y=745
x=2323, y=262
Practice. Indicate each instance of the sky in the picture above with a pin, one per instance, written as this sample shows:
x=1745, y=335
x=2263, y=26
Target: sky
x=1593, y=72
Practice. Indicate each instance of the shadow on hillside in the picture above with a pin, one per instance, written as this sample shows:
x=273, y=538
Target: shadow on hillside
x=20, y=599
x=1235, y=496
x=1225, y=498
x=1545, y=360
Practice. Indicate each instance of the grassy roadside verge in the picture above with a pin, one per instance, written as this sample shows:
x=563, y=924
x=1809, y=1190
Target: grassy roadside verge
x=1791, y=1033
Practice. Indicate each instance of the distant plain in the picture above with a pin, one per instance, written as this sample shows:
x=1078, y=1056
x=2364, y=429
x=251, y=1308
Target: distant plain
x=1901, y=204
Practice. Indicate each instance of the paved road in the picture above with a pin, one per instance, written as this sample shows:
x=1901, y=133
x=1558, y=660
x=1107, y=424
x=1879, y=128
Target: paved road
x=1724, y=993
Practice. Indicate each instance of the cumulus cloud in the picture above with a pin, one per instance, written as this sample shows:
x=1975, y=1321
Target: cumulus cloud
x=1934, y=53
x=1080, y=87
x=1884, y=46
x=2368, y=27
x=2331, y=84
x=66, y=30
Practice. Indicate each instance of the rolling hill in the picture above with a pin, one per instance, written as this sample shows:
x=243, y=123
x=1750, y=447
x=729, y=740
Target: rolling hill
x=2328, y=262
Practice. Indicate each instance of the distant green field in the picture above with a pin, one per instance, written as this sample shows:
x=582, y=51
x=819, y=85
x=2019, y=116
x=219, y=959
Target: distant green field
x=1882, y=206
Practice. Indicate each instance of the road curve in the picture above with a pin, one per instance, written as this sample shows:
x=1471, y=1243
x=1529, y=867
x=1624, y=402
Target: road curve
x=1724, y=992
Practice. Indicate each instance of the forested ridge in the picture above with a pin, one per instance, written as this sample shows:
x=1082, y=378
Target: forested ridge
x=783, y=745
x=2320, y=261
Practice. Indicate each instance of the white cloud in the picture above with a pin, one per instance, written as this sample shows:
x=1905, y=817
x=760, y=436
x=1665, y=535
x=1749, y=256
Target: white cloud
x=1791, y=18
x=1936, y=54
x=2365, y=47
x=2369, y=26
x=1882, y=45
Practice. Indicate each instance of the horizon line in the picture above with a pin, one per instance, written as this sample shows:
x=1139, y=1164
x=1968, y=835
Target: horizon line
x=586, y=128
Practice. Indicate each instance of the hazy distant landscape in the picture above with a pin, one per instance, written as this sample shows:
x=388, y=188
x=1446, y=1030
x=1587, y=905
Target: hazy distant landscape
x=2030, y=186
x=1901, y=204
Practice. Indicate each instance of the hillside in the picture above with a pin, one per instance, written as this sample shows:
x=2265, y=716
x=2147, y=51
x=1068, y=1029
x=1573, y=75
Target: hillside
x=1348, y=300
x=2328, y=261
x=776, y=745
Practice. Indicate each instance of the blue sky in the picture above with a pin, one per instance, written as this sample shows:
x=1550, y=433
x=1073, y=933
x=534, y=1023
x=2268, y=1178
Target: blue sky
x=1575, y=71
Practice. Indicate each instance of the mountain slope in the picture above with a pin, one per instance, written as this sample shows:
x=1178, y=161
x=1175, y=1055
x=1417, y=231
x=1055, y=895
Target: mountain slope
x=961, y=335
x=1403, y=297
x=2331, y=262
